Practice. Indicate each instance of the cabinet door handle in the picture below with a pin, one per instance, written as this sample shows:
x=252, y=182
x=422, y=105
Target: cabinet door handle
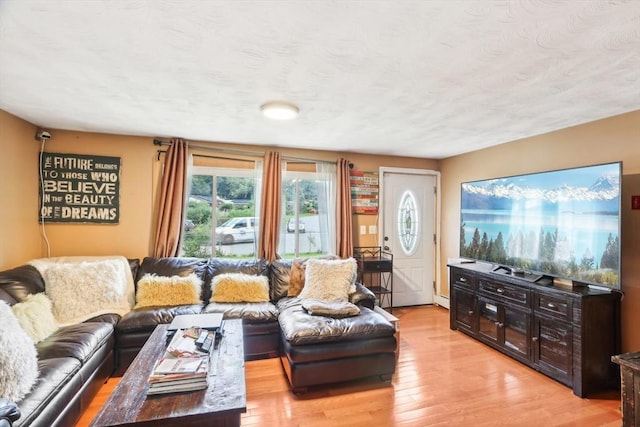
x=500, y=290
x=534, y=339
x=499, y=325
x=462, y=280
x=470, y=312
x=551, y=305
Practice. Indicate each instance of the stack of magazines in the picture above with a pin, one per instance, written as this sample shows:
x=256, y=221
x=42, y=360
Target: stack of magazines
x=183, y=367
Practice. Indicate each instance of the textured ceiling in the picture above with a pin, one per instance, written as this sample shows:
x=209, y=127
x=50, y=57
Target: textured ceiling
x=420, y=78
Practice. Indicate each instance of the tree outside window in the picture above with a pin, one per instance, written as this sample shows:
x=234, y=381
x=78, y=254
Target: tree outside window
x=307, y=228
x=221, y=214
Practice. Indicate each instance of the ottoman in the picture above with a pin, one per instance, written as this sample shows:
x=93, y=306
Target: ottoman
x=319, y=350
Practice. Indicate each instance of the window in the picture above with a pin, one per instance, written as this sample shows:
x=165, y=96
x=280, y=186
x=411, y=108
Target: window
x=221, y=212
x=408, y=223
x=307, y=226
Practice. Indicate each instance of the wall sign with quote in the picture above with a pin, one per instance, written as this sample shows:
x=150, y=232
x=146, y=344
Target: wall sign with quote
x=79, y=188
x=364, y=192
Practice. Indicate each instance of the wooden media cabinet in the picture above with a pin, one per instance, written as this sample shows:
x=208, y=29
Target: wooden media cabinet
x=568, y=334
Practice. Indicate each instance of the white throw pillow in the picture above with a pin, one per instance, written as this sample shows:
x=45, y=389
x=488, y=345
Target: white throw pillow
x=35, y=315
x=79, y=290
x=18, y=357
x=329, y=280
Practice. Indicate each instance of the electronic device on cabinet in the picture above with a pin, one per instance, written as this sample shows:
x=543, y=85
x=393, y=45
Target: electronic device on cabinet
x=561, y=225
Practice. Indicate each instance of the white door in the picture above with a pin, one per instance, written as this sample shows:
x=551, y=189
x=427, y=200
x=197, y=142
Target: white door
x=408, y=204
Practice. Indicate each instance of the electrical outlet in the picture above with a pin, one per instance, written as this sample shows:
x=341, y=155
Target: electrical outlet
x=363, y=229
x=373, y=229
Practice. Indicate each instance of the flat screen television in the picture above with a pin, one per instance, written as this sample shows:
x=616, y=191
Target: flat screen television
x=562, y=223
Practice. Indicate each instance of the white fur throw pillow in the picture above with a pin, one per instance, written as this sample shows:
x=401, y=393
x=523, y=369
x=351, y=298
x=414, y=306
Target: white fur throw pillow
x=35, y=315
x=156, y=290
x=238, y=287
x=79, y=290
x=18, y=357
x=329, y=280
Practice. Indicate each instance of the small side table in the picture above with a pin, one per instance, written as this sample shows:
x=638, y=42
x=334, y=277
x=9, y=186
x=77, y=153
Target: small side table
x=374, y=263
x=630, y=385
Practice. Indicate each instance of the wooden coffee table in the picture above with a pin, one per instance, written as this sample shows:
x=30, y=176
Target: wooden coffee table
x=219, y=405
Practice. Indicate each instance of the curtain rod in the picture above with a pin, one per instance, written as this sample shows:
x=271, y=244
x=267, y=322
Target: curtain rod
x=212, y=157
x=247, y=153
x=305, y=160
x=224, y=150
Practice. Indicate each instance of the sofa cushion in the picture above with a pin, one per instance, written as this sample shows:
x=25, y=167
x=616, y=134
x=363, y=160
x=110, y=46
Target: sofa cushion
x=279, y=278
x=329, y=280
x=300, y=328
x=57, y=382
x=18, y=361
x=330, y=309
x=172, y=266
x=134, y=266
x=110, y=318
x=247, y=311
x=79, y=341
x=239, y=287
x=147, y=318
x=35, y=315
x=154, y=290
x=16, y=284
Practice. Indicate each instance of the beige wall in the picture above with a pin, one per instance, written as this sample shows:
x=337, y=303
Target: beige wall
x=19, y=236
x=372, y=164
x=613, y=139
x=140, y=172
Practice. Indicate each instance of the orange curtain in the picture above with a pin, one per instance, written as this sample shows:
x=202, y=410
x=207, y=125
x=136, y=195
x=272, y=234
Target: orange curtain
x=172, y=200
x=270, y=208
x=344, y=221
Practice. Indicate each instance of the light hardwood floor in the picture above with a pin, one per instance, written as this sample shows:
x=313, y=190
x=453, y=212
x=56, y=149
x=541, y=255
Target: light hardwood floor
x=443, y=378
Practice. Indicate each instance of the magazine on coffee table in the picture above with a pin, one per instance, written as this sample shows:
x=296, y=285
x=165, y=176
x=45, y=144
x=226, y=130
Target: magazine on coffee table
x=184, y=366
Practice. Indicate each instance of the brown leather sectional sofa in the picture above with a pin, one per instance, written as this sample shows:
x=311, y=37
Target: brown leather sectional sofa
x=76, y=360
x=73, y=363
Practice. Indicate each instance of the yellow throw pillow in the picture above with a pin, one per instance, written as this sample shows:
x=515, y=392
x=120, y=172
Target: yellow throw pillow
x=168, y=291
x=238, y=287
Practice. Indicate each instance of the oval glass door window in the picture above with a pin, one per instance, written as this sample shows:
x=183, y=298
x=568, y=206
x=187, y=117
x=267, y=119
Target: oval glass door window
x=408, y=223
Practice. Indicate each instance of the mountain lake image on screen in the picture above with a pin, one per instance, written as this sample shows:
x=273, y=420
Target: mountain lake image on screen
x=563, y=223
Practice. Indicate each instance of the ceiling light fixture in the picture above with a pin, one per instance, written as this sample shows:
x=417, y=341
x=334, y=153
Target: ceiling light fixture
x=279, y=110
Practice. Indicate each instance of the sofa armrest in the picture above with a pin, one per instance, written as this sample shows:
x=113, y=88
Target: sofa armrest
x=9, y=412
x=363, y=296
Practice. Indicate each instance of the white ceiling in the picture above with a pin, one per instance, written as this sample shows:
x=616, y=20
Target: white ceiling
x=421, y=78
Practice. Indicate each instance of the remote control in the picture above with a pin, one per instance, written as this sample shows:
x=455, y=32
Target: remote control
x=206, y=346
x=201, y=339
x=170, y=335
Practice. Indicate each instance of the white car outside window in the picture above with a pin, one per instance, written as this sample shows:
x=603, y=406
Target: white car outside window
x=236, y=230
